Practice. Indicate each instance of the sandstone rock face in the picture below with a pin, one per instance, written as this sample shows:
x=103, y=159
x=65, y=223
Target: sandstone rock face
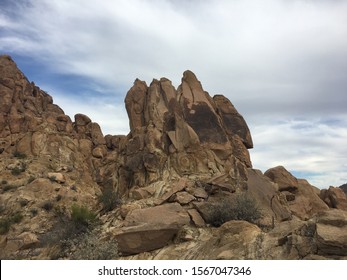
x=183, y=132
x=307, y=202
x=332, y=232
x=274, y=207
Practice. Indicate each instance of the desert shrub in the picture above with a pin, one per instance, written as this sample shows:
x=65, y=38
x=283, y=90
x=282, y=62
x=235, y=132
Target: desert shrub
x=90, y=247
x=81, y=215
x=243, y=207
x=19, y=169
x=5, y=223
x=47, y=205
x=16, y=218
x=8, y=187
x=109, y=199
x=58, y=197
x=33, y=211
x=20, y=155
x=4, y=182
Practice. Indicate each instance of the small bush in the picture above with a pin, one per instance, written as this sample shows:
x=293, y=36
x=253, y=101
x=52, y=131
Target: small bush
x=58, y=197
x=91, y=247
x=20, y=155
x=33, y=211
x=7, y=188
x=109, y=199
x=4, y=182
x=81, y=215
x=47, y=205
x=16, y=171
x=5, y=225
x=243, y=207
x=16, y=218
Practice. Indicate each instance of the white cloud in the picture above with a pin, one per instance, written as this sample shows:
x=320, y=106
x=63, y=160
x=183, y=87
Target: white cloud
x=278, y=61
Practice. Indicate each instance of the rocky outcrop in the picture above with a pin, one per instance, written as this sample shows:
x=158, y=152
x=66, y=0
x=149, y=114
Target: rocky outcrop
x=182, y=172
x=183, y=132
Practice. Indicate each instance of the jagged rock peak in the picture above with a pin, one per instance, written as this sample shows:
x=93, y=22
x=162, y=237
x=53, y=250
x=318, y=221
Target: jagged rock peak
x=186, y=127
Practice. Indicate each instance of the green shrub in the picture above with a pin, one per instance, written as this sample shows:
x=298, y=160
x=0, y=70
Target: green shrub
x=5, y=225
x=109, y=199
x=16, y=171
x=81, y=215
x=16, y=218
x=243, y=207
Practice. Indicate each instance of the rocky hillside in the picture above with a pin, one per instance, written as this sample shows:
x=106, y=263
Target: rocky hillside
x=180, y=185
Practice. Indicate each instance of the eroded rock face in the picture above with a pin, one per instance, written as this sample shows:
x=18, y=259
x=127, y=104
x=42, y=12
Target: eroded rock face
x=184, y=132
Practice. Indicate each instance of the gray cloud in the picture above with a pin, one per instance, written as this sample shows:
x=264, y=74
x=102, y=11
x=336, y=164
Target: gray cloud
x=282, y=63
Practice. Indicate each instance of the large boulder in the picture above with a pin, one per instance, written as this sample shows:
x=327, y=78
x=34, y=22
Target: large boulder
x=283, y=178
x=332, y=232
x=307, y=202
x=334, y=198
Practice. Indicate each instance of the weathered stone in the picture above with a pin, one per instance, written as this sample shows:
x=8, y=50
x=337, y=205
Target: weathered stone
x=307, y=202
x=82, y=120
x=233, y=122
x=143, y=238
x=56, y=177
x=28, y=240
x=166, y=214
x=334, y=198
x=183, y=198
x=332, y=240
x=269, y=201
x=284, y=179
x=196, y=218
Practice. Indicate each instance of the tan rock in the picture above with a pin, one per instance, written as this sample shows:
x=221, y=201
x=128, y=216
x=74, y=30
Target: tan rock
x=28, y=240
x=196, y=218
x=332, y=240
x=183, y=198
x=166, y=214
x=264, y=192
x=307, y=202
x=56, y=177
x=334, y=198
x=143, y=238
x=284, y=179
x=82, y=120
x=100, y=151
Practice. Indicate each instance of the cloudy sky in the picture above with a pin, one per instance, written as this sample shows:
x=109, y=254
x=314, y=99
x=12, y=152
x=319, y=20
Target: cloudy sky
x=282, y=63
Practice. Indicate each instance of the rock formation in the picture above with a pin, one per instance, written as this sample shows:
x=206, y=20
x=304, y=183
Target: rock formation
x=181, y=168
